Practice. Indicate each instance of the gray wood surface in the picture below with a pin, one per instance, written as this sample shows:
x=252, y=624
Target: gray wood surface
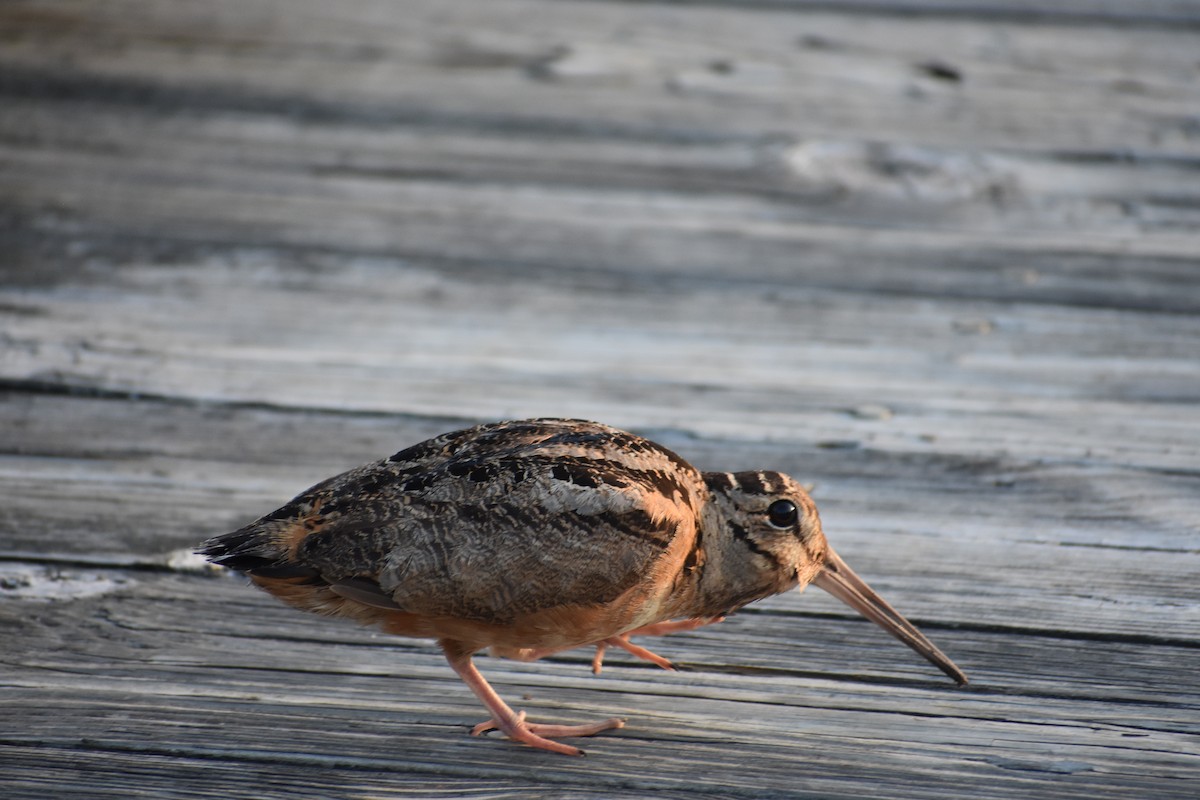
x=940, y=259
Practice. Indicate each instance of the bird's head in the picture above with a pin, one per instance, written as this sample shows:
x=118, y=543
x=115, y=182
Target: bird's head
x=772, y=516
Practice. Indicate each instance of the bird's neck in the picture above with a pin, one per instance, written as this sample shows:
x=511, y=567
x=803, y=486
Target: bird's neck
x=724, y=573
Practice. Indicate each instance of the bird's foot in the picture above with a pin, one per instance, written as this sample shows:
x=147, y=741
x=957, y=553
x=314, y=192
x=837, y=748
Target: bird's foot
x=623, y=642
x=657, y=629
x=532, y=733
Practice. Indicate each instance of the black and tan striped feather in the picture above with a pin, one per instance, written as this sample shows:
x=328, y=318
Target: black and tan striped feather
x=485, y=524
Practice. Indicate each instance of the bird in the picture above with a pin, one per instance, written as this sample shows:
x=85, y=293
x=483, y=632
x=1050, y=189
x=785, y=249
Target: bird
x=526, y=538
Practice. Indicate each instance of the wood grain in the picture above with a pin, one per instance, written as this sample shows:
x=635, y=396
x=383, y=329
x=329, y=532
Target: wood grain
x=936, y=258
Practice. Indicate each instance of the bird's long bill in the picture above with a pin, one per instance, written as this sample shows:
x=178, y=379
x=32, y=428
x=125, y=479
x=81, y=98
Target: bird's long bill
x=841, y=582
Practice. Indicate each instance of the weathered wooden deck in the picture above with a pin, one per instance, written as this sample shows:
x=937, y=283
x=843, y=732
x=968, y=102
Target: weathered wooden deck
x=942, y=261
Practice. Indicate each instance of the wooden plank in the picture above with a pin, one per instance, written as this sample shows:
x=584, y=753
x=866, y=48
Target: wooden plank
x=1093, y=87
x=381, y=183
x=820, y=181
x=382, y=345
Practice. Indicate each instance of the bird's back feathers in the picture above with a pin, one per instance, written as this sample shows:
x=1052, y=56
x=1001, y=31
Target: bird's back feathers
x=478, y=524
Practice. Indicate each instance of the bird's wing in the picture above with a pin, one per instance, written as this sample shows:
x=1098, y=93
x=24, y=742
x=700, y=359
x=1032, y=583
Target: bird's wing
x=504, y=521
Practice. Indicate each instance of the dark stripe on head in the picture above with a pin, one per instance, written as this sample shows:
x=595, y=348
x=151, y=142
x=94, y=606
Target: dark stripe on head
x=752, y=483
x=719, y=481
x=743, y=536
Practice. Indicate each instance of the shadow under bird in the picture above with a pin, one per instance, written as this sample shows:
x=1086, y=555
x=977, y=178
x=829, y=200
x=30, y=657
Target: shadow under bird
x=534, y=536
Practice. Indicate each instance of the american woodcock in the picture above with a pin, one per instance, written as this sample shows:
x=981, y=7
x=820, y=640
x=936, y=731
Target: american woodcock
x=535, y=536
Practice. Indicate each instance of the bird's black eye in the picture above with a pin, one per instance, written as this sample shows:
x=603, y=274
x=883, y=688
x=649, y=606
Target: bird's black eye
x=782, y=514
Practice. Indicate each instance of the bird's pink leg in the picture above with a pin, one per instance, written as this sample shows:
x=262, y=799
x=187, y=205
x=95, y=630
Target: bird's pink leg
x=657, y=629
x=510, y=722
x=623, y=642
x=677, y=626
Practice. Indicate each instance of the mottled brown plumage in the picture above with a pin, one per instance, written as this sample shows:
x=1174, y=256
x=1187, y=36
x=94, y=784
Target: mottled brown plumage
x=534, y=536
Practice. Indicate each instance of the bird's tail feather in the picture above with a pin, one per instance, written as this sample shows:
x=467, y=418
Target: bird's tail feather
x=254, y=550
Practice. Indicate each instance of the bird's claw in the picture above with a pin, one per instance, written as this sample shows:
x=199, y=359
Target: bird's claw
x=533, y=733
